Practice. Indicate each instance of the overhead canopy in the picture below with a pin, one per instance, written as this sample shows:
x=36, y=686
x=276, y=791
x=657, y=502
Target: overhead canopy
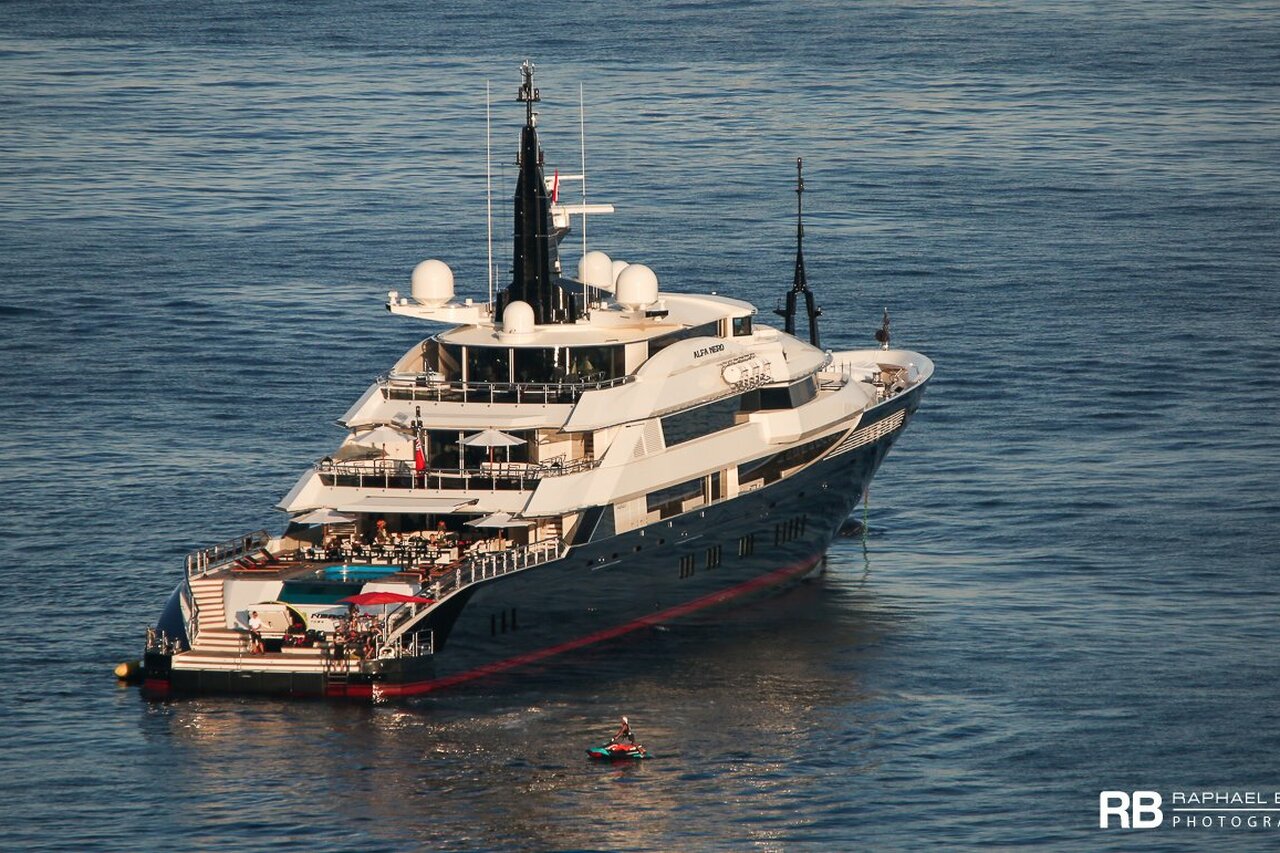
x=425, y=505
x=324, y=515
x=500, y=519
x=491, y=438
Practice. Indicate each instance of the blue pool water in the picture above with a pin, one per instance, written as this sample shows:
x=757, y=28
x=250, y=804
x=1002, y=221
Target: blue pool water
x=1071, y=579
x=354, y=572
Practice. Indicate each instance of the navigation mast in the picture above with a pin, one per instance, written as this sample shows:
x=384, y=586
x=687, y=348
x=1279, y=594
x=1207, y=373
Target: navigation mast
x=800, y=284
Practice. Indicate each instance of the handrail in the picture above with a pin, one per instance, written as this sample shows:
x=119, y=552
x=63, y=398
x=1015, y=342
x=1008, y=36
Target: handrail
x=400, y=474
x=476, y=569
x=204, y=560
x=429, y=386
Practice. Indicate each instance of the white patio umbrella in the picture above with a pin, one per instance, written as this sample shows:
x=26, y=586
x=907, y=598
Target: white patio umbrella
x=500, y=520
x=492, y=438
x=324, y=515
x=379, y=442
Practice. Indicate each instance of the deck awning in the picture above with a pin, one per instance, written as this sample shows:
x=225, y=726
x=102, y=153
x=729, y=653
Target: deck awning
x=425, y=505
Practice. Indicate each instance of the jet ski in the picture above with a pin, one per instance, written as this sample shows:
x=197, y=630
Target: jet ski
x=617, y=752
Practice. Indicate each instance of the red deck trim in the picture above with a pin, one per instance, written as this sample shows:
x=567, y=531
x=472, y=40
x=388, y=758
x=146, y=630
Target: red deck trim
x=386, y=691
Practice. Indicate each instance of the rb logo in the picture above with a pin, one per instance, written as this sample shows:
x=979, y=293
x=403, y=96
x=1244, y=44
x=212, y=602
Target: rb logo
x=1144, y=806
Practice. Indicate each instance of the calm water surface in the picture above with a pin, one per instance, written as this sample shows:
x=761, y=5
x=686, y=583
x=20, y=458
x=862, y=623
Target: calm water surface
x=1070, y=579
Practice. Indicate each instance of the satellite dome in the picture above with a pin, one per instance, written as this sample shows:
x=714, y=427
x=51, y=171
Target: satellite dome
x=637, y=287
x=517, y=319
x=595, y=269
x=618, y=267
x=432, y=283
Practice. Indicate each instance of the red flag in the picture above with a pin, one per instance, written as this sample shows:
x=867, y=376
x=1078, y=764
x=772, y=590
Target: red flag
x=555, y=186
x=419, y=455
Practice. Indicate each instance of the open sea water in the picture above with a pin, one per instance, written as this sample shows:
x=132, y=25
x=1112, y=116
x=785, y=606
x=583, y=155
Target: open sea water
x=1070, y=579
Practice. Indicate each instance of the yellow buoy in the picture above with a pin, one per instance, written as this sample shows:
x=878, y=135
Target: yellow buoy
x=130, y=670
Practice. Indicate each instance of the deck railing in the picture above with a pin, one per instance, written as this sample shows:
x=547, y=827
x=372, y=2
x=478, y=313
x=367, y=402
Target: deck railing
x=430, y=386
x=205, y=560
x=474, y=569
x=400, y=474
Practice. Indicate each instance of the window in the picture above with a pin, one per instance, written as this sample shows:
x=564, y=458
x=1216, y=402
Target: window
x=488, y=364
x=538, y=364
x=596, y=364
x=686, y=566
x=449, y=360
x=771, y=468
x=741, y=326
x=704, y=420
x=670, y=501
x=713, y=556
x=747, y=545
x=706, y=330
x=790, y=397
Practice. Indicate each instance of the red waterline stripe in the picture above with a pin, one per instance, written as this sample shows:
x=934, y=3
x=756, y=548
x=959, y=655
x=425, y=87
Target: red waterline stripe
x=156, y=686
x=382, y=690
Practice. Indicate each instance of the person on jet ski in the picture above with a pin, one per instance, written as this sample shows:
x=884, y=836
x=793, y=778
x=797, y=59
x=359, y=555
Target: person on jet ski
x=624, y=731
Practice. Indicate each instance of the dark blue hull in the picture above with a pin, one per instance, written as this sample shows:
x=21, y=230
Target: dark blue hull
x=614, y=583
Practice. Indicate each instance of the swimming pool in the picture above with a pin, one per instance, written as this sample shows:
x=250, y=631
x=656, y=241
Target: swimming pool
x=353, y=573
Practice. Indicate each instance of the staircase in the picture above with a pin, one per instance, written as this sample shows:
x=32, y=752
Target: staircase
x=213, y=635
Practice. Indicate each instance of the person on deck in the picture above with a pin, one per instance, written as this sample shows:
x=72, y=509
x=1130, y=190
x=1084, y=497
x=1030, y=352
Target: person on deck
x=255, y=635
x=382, y=537
x=624, y=731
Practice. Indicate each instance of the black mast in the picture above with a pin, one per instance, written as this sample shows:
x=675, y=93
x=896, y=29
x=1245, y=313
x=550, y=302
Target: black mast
x=800, y=284
x=534, y=257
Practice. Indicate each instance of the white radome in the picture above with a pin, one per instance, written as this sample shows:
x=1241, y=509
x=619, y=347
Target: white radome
x=618, y=267
x=517, y=319
x=432, y=283
x=637, y=287
x=596, y=270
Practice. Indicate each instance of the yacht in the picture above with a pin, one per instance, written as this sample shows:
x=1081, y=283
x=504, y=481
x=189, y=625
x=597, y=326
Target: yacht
x=565, y=462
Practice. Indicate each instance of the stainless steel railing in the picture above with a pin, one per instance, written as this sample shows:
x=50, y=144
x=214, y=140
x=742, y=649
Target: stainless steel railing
x=429, y=386
x=474, y=569
x=400, y=474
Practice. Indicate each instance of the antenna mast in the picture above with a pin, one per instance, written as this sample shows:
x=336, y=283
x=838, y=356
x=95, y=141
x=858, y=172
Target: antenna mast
x=800, y=284
x=488, y=189
x=582, y=141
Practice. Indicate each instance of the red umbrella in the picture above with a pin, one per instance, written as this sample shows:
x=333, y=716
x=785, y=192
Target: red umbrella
x=384, y=598
x=365, y=599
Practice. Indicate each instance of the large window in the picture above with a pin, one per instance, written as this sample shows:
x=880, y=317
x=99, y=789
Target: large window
x=706, y=330
x=449, y=360
x=741, y=326
x=595, y=364
x=488, y=364
x=771, y=468
x=704, y=420
x=791, y=397
x=538, y=364
x=671, y=499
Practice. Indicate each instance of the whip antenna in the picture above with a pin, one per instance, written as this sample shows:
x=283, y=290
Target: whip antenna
x=488, y=190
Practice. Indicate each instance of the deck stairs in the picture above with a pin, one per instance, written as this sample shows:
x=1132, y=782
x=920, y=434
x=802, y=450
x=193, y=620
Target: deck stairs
x=218, y=647
x=213, y=633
